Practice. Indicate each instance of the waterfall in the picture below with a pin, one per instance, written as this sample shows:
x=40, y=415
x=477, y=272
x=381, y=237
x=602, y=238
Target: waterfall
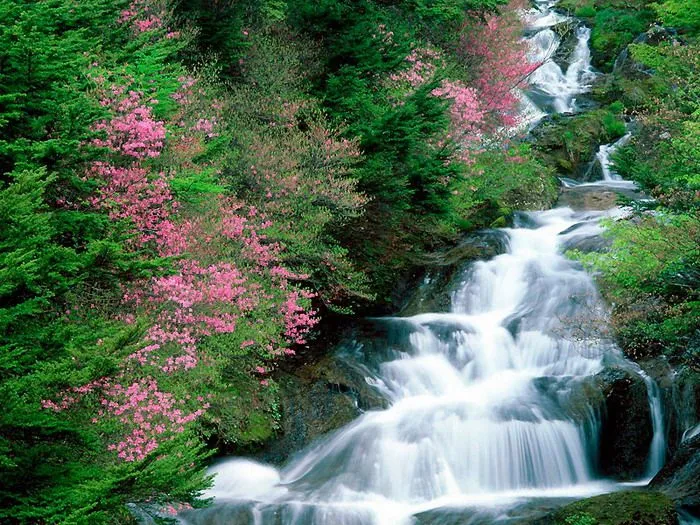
x=480, y=401
x=485, y=400
x=557, y=89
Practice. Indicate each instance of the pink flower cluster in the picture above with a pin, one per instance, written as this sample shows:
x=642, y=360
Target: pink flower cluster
x=133, y=132
x=228, y=272
x=144, y=15
x=149, y=414
x=421, y=67
x=128, y=189
x=466, y=111
x=297, y=321
x=499, y=56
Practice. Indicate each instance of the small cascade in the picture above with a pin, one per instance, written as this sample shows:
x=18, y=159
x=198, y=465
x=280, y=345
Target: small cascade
x=555, y=89
x=691, y=432
x=603, y=157
x=657, y=450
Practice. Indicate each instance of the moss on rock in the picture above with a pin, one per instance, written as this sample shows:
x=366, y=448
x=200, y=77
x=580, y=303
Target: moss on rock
x=619, y=508
x=318, y=398
x=568, y=143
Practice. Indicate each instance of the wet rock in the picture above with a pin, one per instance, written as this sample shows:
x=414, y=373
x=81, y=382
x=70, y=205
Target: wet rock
x=590, y=244
x=626, y=427
x=433, y=294
x=142, y=515
x=680, y=393
x=579, y=238
x=221, y=514
x=625, y=66
x=454, y=516
x=619, y=508
x=568, y=143
x=318, y=398
x=686, y=401
x=588, y=198
x=566, y=31
x=679, y=479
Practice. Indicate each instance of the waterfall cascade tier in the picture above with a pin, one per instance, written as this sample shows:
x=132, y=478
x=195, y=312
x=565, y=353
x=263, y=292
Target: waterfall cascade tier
x=479, y=401
x=481, y=398
x=552, y=89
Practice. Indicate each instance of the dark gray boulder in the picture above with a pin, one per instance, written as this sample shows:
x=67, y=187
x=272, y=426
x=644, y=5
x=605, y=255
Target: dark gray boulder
x=679, y=479
x=626, y=428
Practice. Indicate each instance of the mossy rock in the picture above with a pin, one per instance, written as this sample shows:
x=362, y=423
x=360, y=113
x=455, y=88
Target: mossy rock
x=315, y=399
x=568, y=143
x=626, y=428
x=679, y=479
x=433, y=294
x=594, y=198
x=619, y=508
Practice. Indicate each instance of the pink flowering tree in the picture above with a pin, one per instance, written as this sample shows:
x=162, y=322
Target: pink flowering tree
x=496, y=55
x=222, y=296
x=494, y=59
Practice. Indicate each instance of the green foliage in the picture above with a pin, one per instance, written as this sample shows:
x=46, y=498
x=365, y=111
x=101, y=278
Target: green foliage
x=678, y=68
x=615, y=28
x=664, y=160
x=652, y=275
x=501, y=183
x=616, y=107
x=298, y=170
x=580, y=519
x=680, y=14
x=587, y=11
x=61, y=266
x=613, y=126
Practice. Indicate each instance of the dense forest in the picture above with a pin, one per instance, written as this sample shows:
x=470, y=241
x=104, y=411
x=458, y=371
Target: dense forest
x=192, y=193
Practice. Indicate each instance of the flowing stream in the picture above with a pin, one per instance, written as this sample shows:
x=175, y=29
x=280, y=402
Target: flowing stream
x=484, y=401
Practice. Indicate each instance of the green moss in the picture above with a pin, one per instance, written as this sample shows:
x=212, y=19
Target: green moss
x=566, y=144
x=620, y=508
x=586, y=11
x=499, y=223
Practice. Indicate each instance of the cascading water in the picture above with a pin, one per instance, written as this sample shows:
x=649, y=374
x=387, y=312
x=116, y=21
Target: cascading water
x=657, y=452
x=603, y=157
x=479, y=401
x=550, y=87
x=484, y=409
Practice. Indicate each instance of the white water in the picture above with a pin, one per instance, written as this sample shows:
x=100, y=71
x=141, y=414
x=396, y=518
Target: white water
x=603, y=156
x=556, y=89
x=485, y=408
x=657, y=451
x=480, y=399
